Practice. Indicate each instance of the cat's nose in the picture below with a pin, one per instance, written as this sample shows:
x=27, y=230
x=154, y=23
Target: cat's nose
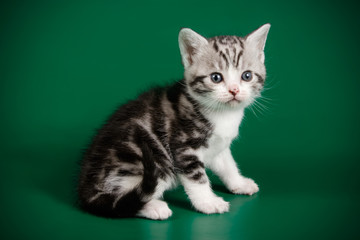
x=234, y=90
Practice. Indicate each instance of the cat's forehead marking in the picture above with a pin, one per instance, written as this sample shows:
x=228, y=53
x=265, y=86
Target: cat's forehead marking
x=229, y=48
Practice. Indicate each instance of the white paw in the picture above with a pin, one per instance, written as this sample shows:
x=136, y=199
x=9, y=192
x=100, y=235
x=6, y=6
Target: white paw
x=155, y=209
x=213, y=205
x=245, y=186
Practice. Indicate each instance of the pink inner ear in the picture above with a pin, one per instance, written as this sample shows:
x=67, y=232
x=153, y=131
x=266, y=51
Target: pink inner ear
x=190, y=42
x=191, y=51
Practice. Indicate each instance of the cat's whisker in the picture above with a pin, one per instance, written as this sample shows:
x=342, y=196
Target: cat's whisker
x=256, y=109
x=270, y=86
x=261, y=104
x=262, y=97
x=251, y=108
x=261, y=108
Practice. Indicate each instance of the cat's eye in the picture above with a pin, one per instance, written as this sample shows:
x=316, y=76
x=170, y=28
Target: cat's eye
x=216, y=77
x=246, y=76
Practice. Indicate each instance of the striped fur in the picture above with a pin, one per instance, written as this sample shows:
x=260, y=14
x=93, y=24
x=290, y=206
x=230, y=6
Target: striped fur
x=173, y=133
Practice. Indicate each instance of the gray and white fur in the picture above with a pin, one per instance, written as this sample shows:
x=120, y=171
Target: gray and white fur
x=169, y=135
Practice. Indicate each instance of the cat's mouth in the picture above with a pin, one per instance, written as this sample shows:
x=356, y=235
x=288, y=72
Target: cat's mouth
x=233, y=101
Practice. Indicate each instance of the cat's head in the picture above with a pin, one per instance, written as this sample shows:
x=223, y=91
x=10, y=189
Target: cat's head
x=225, y=71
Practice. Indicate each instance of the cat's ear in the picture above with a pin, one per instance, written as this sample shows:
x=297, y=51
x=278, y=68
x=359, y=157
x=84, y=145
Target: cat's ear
x=190, y=43
x=258, y=37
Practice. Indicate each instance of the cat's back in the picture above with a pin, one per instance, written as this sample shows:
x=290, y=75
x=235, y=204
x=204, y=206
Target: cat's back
x=139, y=107
x=150, y=114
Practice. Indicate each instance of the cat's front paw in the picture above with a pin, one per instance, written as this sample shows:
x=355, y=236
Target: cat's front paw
x=245, y=186
x=212, y=205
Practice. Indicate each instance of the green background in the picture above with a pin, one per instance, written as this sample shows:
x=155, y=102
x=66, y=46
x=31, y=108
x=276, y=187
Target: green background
x=66, y=65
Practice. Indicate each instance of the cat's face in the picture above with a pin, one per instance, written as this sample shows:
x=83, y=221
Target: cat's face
x=226, y=71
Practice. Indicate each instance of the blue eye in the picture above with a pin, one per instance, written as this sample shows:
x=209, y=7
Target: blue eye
x=246, y=76
x=216, y=77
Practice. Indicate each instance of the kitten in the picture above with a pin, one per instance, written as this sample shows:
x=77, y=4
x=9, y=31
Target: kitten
x=170, y=134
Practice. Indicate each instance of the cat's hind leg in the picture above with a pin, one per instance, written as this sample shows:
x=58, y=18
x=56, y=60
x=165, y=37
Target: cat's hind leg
x=155, y=209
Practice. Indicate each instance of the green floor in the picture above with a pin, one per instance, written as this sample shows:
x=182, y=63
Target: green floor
x=65, y=66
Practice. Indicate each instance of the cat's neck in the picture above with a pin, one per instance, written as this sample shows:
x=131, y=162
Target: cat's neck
x=228, y=117
x=225, y=122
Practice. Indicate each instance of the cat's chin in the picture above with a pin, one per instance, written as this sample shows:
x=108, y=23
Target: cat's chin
x=234, y=103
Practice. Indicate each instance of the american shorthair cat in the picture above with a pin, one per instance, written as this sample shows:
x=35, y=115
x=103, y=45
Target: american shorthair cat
x=169, y=135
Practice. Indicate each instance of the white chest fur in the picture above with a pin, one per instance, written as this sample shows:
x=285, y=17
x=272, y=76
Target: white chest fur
x=226, y=127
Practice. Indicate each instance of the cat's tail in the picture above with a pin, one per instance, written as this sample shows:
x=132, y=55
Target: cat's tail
x=113, y=205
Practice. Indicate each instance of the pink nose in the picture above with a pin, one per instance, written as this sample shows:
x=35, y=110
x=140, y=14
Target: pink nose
x=234, y=90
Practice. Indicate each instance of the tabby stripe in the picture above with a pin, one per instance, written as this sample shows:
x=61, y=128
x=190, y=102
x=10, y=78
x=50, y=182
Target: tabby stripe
x=126, y=154
x=199, y=89
x=198, y=79
x=189, y=164
x=197, y=176
x=260, y=78
x=158, y=121
x=160, y=162
x=129, y=172
x=222, y=40
x=216, y=47
x=195, y=143
x=234, y=54
x=241, y=42
x=227, y=52
x=224, y=57
x=189, y=158
x=238, y=57
x=191, y=167
x=151, y=139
